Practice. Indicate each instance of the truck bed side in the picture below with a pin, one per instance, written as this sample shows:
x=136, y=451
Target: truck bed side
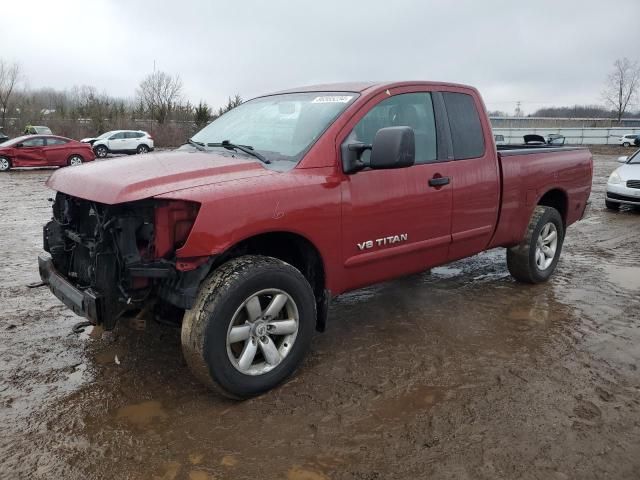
x=558, y=177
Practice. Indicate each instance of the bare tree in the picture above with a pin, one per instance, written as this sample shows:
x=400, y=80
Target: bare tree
x=9, y=77
x=160, y=92
x=622, y=86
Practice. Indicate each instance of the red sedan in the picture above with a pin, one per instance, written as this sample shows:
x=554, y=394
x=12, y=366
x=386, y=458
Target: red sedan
x=43, y=151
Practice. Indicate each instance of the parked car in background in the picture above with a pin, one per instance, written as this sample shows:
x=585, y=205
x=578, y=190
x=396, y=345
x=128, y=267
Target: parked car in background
x=623, y=186
x=43, y=151
x=552, y=139
x=555, y=139
x=499, y=139
x=37, y=130
x=3, y=137
x=121, y=141
x=628, y=140
x=636, y=142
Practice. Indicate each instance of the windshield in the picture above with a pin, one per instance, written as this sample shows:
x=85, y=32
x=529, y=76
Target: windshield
x=635, y=158
x=279, y=127
x=13, y=141
x=104, y=135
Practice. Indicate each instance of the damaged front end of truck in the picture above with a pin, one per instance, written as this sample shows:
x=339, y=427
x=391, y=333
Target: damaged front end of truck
x=111, y=261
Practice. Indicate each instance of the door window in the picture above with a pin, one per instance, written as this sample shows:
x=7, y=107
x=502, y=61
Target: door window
x=33, y=142
x=464, y=122
x=413, y=110
x=117, y=136
x=56, y=141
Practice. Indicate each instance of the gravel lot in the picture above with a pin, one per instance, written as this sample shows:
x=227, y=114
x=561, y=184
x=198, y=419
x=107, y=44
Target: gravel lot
x=458, y=373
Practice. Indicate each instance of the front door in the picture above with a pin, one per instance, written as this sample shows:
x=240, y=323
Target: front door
x=31, y=153
x=118, y=142
x=396, y=221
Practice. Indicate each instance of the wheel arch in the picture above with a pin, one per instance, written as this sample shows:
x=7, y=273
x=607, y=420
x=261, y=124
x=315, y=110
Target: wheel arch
x=296, y=250
x=558, y=199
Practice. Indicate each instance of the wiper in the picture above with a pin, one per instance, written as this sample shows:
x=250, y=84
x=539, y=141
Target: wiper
x=198, y=145
x=248, y=149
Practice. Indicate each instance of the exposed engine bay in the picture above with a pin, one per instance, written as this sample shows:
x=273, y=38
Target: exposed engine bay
x=123, y=256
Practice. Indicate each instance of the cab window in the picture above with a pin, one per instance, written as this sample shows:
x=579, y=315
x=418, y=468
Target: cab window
x=33, y=142
x=413, y=110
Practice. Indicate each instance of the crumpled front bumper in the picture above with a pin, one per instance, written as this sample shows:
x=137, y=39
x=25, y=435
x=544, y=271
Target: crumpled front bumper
x=85, y=303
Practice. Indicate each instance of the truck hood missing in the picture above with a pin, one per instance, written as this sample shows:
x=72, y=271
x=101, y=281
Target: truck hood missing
x=128, y=179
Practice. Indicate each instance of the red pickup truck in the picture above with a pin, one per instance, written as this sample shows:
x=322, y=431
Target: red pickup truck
x=244, y=234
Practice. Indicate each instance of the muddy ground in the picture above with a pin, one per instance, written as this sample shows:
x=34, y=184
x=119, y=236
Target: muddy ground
x=461, y=373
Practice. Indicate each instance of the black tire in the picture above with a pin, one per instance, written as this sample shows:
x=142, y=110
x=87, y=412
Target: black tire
x=101, y=151
x=205, y=327
x=626, y=144
x=75, y=160
x=612, y=205
x=5, y=164
x=521, y=259
x=142, y=148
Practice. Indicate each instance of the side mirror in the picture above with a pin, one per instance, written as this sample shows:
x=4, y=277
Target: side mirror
x=393, y=147
x=623, y=159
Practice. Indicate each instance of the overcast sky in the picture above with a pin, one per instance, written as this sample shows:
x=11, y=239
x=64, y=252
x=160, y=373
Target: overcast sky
x=538, y=52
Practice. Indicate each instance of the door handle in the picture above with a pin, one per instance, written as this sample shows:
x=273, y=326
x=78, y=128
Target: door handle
x=439, y=181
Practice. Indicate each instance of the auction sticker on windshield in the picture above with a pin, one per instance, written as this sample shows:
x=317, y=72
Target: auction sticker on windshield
x=333, y=99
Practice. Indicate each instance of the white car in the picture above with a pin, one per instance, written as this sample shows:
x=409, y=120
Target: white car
x=623, y=187
x=627, y=140
x=121, y=141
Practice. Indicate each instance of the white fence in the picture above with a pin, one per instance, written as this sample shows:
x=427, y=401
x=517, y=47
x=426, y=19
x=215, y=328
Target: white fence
x=574, y=136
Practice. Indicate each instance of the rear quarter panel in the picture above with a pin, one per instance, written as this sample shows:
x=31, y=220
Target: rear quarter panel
x=526, y=178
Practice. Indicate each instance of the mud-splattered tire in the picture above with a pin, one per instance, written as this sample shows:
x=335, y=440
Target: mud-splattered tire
x=612, y=205
x=524, y=261
x=223, y=309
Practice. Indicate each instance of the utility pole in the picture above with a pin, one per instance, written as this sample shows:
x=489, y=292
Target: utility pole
x=518, y=112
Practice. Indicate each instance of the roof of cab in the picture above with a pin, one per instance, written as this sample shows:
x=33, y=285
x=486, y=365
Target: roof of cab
x=359, y=87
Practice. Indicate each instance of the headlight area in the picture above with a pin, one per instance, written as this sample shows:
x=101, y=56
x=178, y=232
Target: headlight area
x=123, y=256
x=615, y=178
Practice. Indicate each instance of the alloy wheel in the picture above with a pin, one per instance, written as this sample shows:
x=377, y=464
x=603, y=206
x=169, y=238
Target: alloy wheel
x=546, y=246
x=262, y=331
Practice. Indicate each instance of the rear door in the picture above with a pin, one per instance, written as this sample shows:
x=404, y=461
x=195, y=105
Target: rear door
x=31, y=153
x=132, y=140
x=475, y=176
x=56, y=151
x=396, y=221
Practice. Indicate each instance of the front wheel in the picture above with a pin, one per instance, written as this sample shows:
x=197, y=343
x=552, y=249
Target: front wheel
x=536, y=257
x=251, y=326
x=5, y=164
x=626, y=144
x=101, y=151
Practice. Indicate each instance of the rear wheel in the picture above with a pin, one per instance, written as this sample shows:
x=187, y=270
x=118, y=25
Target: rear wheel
x=142, y=149
x=5, y=164
x=612, y=205
x=75, y=160
x=101, y=151
x=251, y=326
x=535, y=259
